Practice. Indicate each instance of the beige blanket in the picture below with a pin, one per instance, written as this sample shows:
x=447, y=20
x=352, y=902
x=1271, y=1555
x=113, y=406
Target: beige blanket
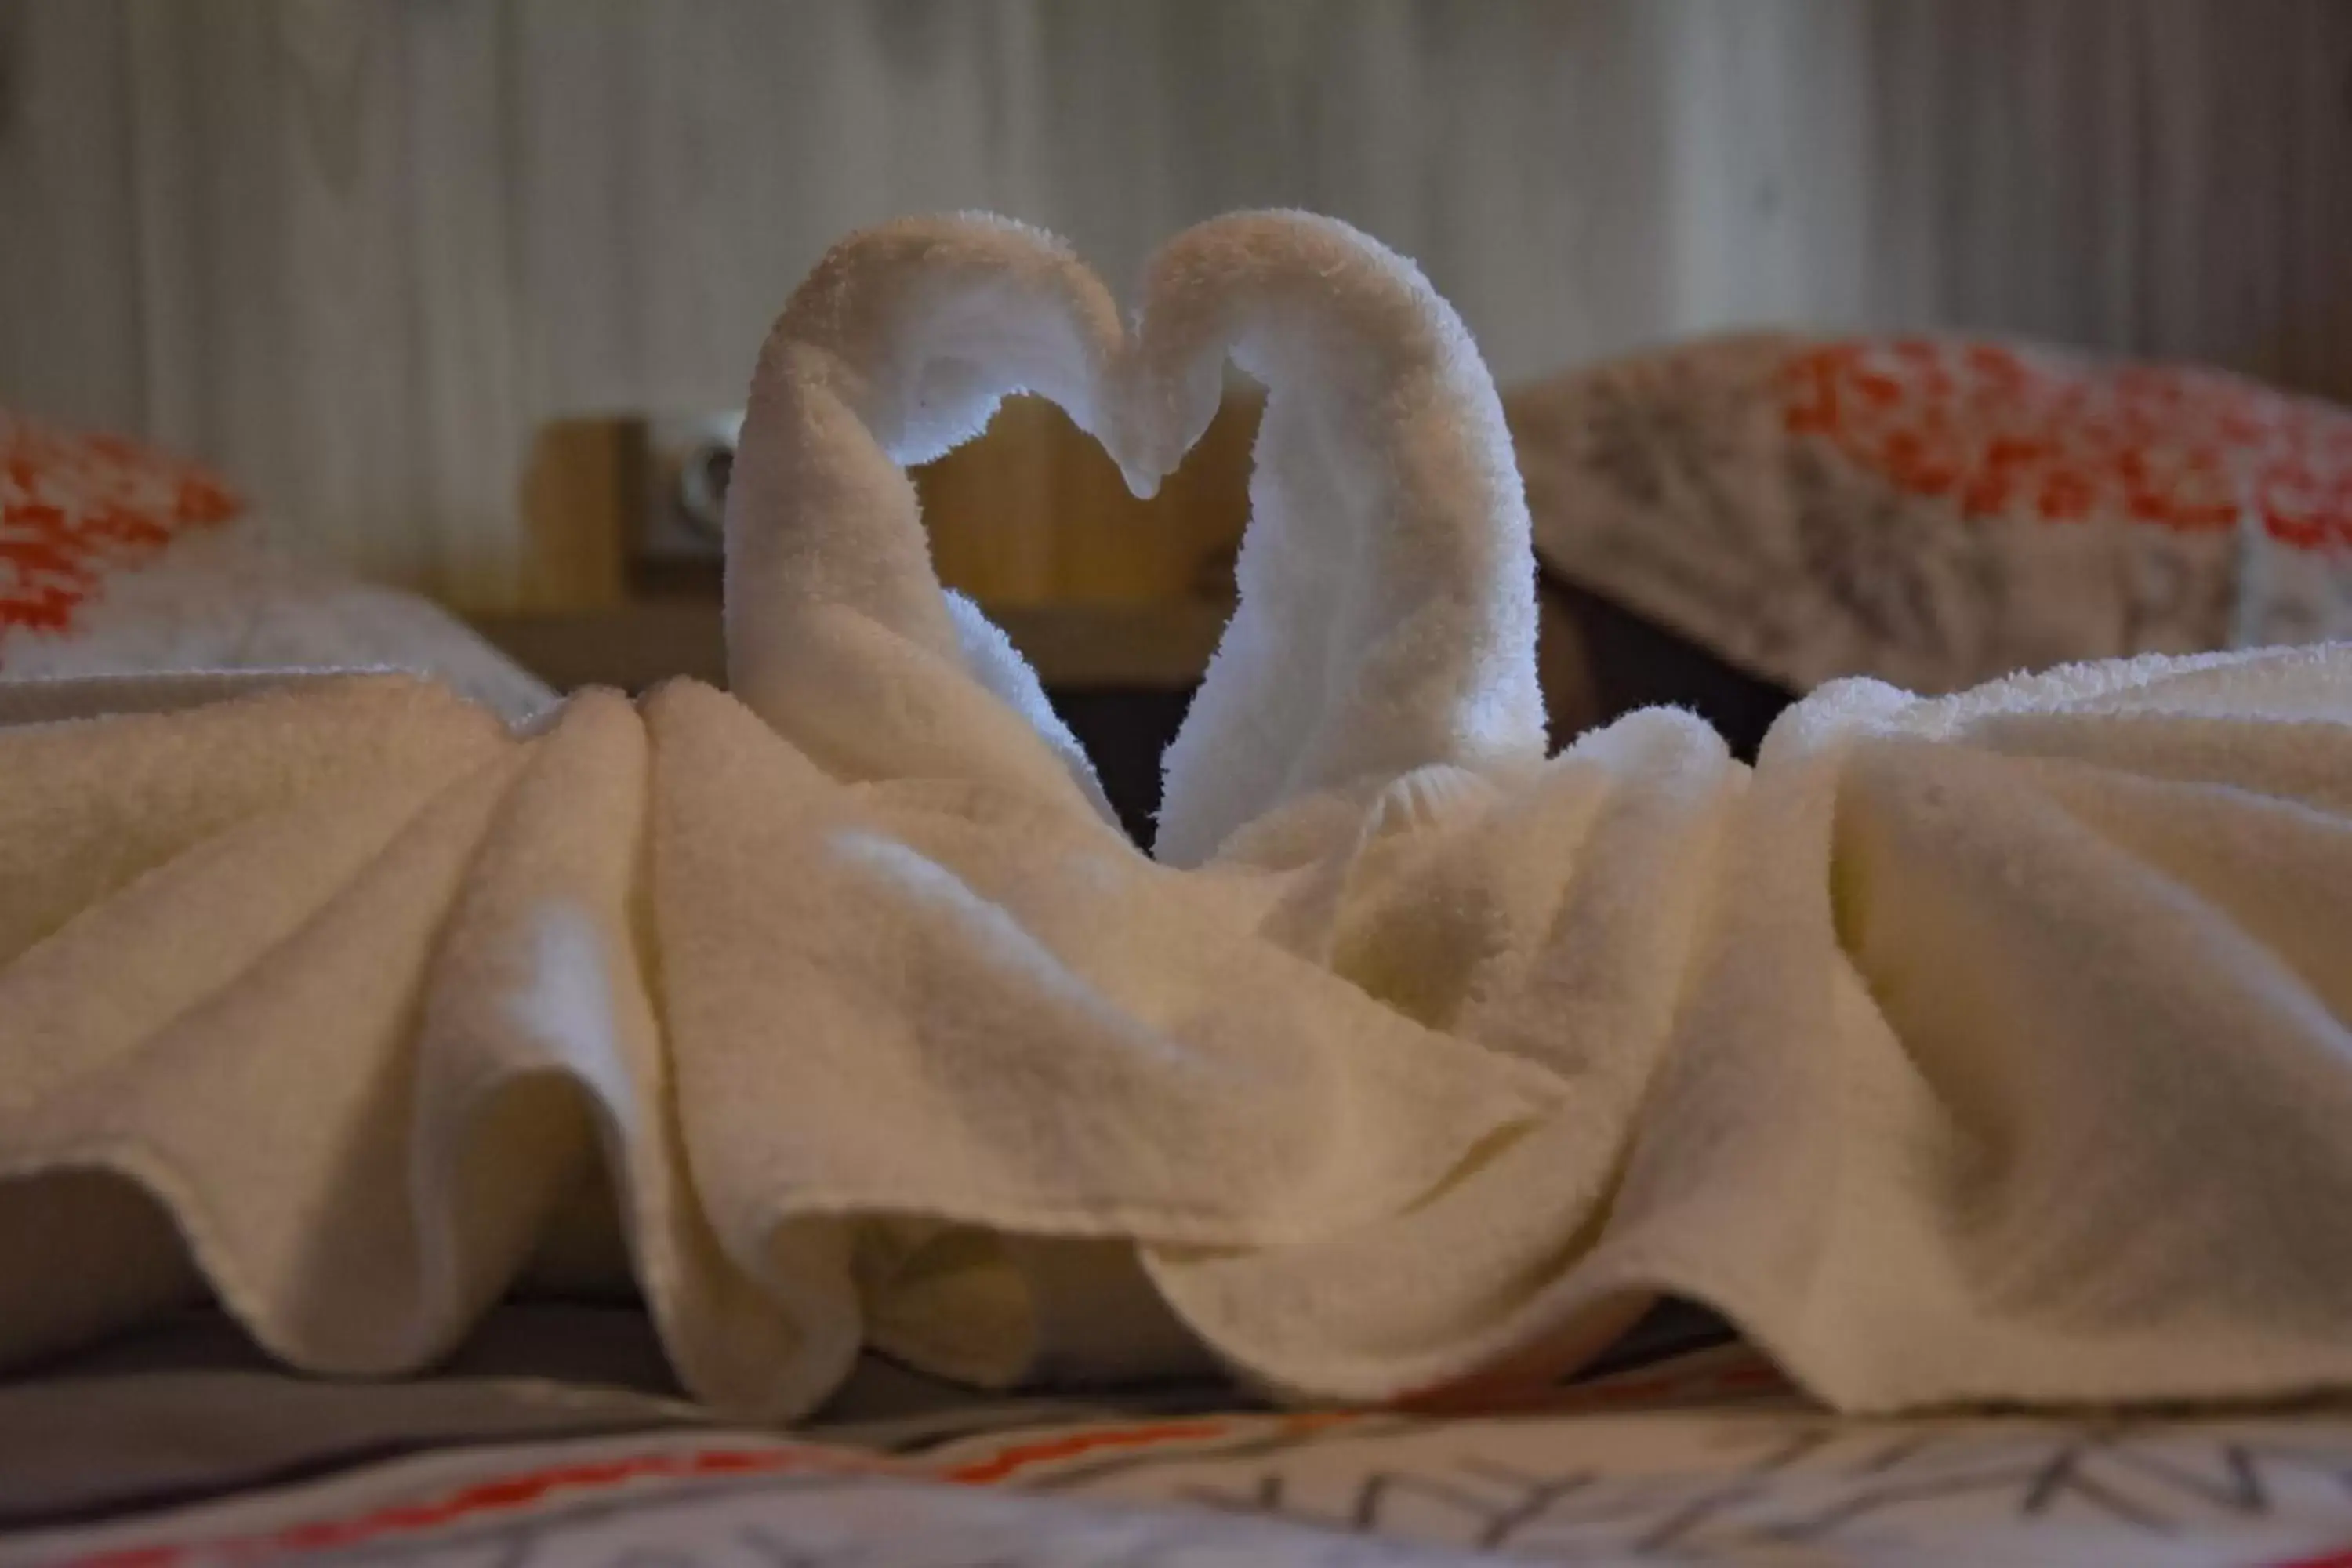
x=1991, y=1047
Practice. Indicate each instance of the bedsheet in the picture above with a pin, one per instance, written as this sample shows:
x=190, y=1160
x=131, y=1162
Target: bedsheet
x=1705, y=1458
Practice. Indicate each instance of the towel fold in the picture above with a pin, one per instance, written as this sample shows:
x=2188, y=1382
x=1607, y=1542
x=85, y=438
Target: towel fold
x=1987, y=1047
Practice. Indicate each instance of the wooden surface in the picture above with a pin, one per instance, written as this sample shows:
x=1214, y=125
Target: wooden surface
x=1073, y=647
x=359, y=252
x=1035, y=512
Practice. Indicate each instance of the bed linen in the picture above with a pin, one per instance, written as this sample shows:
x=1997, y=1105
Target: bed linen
x=1705, y=1458
x=1939, y=511
x=117, y=559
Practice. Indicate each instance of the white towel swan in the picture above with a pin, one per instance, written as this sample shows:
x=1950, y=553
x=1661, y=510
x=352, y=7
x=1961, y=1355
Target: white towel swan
x=1387, y=614
x=1387, y=611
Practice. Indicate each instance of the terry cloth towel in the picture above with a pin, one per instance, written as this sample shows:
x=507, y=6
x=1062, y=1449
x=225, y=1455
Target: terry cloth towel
x=1986, y=1047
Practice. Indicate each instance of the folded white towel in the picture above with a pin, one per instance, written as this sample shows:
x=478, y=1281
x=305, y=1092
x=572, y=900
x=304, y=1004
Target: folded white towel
x=1992, y=1046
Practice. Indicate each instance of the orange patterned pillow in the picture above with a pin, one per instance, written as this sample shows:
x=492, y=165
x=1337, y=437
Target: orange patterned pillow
x=1999, y=433
x=117, y=561
x=73, y=508
x=1937, y=511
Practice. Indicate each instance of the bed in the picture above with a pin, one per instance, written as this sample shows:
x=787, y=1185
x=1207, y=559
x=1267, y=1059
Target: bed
x=557, y=1433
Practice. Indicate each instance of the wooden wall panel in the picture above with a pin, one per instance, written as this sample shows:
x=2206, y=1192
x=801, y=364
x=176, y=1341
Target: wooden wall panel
x=358, y=252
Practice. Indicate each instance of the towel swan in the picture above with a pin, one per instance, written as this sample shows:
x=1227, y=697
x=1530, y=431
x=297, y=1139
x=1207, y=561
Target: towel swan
x=1387, y=611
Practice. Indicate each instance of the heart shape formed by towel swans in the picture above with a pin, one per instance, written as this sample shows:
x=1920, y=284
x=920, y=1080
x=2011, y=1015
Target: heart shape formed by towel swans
x=1987, y=1047
x=1387, y=611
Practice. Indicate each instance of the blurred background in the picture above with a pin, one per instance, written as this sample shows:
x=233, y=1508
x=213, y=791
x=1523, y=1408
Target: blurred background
x=441, y=286
x=357, y=252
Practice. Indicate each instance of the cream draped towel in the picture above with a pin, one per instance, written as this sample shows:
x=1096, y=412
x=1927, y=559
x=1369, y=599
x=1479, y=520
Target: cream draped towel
x=1990, y=1047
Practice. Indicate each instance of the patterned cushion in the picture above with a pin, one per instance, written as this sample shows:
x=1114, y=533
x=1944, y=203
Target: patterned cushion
x=73, y=508
x=1937, y=513
x=116, y=560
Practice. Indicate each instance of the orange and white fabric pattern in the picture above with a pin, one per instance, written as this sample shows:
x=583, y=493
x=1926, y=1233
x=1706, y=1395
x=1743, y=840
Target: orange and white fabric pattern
x=73, y=508
x=1941, y=511
x=116, y=559
x=1749, y=1484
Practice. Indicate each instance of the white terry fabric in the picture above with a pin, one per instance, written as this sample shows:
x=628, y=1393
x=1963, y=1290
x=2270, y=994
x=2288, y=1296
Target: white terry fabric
x=1992, y=1046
